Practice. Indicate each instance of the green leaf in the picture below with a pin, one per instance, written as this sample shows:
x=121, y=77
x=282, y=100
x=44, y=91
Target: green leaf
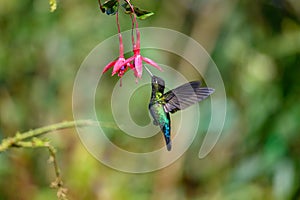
x=140, y=14
x=110, y=7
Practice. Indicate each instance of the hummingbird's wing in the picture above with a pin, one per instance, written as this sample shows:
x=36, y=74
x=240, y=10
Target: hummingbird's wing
x=185, y=96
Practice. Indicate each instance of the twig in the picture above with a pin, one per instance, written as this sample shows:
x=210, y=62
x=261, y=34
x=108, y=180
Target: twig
x=29, y=140
x=58, y=183
x=11, y=141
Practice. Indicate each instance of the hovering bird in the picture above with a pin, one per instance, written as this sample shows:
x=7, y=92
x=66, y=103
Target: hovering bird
x=161, y=104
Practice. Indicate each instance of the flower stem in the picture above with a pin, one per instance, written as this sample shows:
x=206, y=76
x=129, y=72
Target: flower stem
x=121, y=47
x=132, y=28
x=134, y=21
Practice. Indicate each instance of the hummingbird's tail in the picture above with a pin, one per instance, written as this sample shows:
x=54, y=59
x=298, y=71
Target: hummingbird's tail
x=169, y=146
x=166, y=130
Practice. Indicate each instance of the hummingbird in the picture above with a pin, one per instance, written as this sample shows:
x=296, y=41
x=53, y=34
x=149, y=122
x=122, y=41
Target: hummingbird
x=162, y=104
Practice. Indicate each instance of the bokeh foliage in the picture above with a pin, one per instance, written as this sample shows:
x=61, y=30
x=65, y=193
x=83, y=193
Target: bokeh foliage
x=256, y=46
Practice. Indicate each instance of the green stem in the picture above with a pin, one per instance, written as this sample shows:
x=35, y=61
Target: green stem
x=13, y=141
x=29, y=140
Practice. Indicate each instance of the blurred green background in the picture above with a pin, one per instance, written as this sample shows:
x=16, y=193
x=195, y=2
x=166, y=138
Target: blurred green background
x=256, y=46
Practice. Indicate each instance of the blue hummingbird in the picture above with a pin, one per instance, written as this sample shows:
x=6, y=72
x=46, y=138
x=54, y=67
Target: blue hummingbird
x=162, y=104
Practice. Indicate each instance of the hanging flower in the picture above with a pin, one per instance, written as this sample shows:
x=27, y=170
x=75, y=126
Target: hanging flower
x=138, y=59
x=120, y=65
x=135, y=62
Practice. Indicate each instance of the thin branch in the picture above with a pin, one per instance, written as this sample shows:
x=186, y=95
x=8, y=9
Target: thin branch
x=58, y=183
x=13, y=141
x=29, y=140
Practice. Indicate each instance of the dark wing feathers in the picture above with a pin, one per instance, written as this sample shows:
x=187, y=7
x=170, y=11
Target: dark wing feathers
x=185, y=96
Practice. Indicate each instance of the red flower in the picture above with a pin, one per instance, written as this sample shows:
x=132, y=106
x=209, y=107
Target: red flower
x=138, y=59
x=120, y=65
x=135, y=62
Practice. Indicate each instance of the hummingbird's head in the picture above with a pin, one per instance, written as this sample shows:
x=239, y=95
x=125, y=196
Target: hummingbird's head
x=158, y=81
x=158, y=84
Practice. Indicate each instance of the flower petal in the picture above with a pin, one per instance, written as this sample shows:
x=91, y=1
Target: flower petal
x=109, y=65
x=135, y=72
x=138, y=63
x=128, y=60
x=151, y=62
x=122, y=71
x=118, y=65
x=131, y=66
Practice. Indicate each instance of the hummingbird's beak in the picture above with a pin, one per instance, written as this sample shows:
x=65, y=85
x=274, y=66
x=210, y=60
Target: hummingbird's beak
x=148, y=71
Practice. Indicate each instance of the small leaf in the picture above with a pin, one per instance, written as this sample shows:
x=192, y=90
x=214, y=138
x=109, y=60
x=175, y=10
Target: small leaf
x=53, y=5
x=110, y=7
x=140, y=14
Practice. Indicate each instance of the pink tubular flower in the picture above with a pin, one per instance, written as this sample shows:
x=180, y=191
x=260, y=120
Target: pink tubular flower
x=138, y=59
x=135, y=62
x=120, y=65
